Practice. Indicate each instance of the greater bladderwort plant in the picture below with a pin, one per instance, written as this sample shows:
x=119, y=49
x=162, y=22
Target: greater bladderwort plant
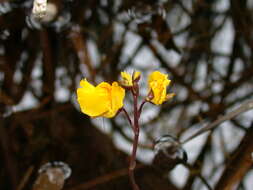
x=107, y=100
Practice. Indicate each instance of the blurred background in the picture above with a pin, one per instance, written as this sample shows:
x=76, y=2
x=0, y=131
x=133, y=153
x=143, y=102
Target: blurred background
x=206, y=48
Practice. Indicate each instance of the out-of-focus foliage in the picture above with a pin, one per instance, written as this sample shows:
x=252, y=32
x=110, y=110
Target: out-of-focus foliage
x=204, y=45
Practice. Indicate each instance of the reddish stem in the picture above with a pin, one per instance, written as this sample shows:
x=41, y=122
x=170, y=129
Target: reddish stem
x=136, y=130
x=141, y=106
x=128, y=118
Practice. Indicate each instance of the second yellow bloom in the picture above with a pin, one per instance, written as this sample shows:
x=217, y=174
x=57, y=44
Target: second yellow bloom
x=158, y=83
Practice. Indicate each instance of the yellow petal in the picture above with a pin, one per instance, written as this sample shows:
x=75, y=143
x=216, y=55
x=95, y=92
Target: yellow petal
x=117, y=97
x=92, y=100
x=136, y=75
x=158, y=83
x=118, y=94
x=126, y=79
x=103, y=100
x=85, y=84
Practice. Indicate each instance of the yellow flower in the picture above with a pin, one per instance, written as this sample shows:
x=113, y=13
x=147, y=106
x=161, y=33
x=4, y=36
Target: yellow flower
x=136, y=75
x=127, y=79
x=103, y=100
x=158, y=83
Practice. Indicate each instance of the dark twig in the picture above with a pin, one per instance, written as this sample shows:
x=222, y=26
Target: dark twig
x=239, y=165
x=8, y=158
x=105, y=178
x=243, y=108
x=26, y=177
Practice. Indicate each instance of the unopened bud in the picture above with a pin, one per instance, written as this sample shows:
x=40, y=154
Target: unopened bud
x=136, y=76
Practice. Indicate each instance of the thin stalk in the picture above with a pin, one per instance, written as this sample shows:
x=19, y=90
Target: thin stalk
x=141, y=106
x=128, y=118
x=135, y=142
